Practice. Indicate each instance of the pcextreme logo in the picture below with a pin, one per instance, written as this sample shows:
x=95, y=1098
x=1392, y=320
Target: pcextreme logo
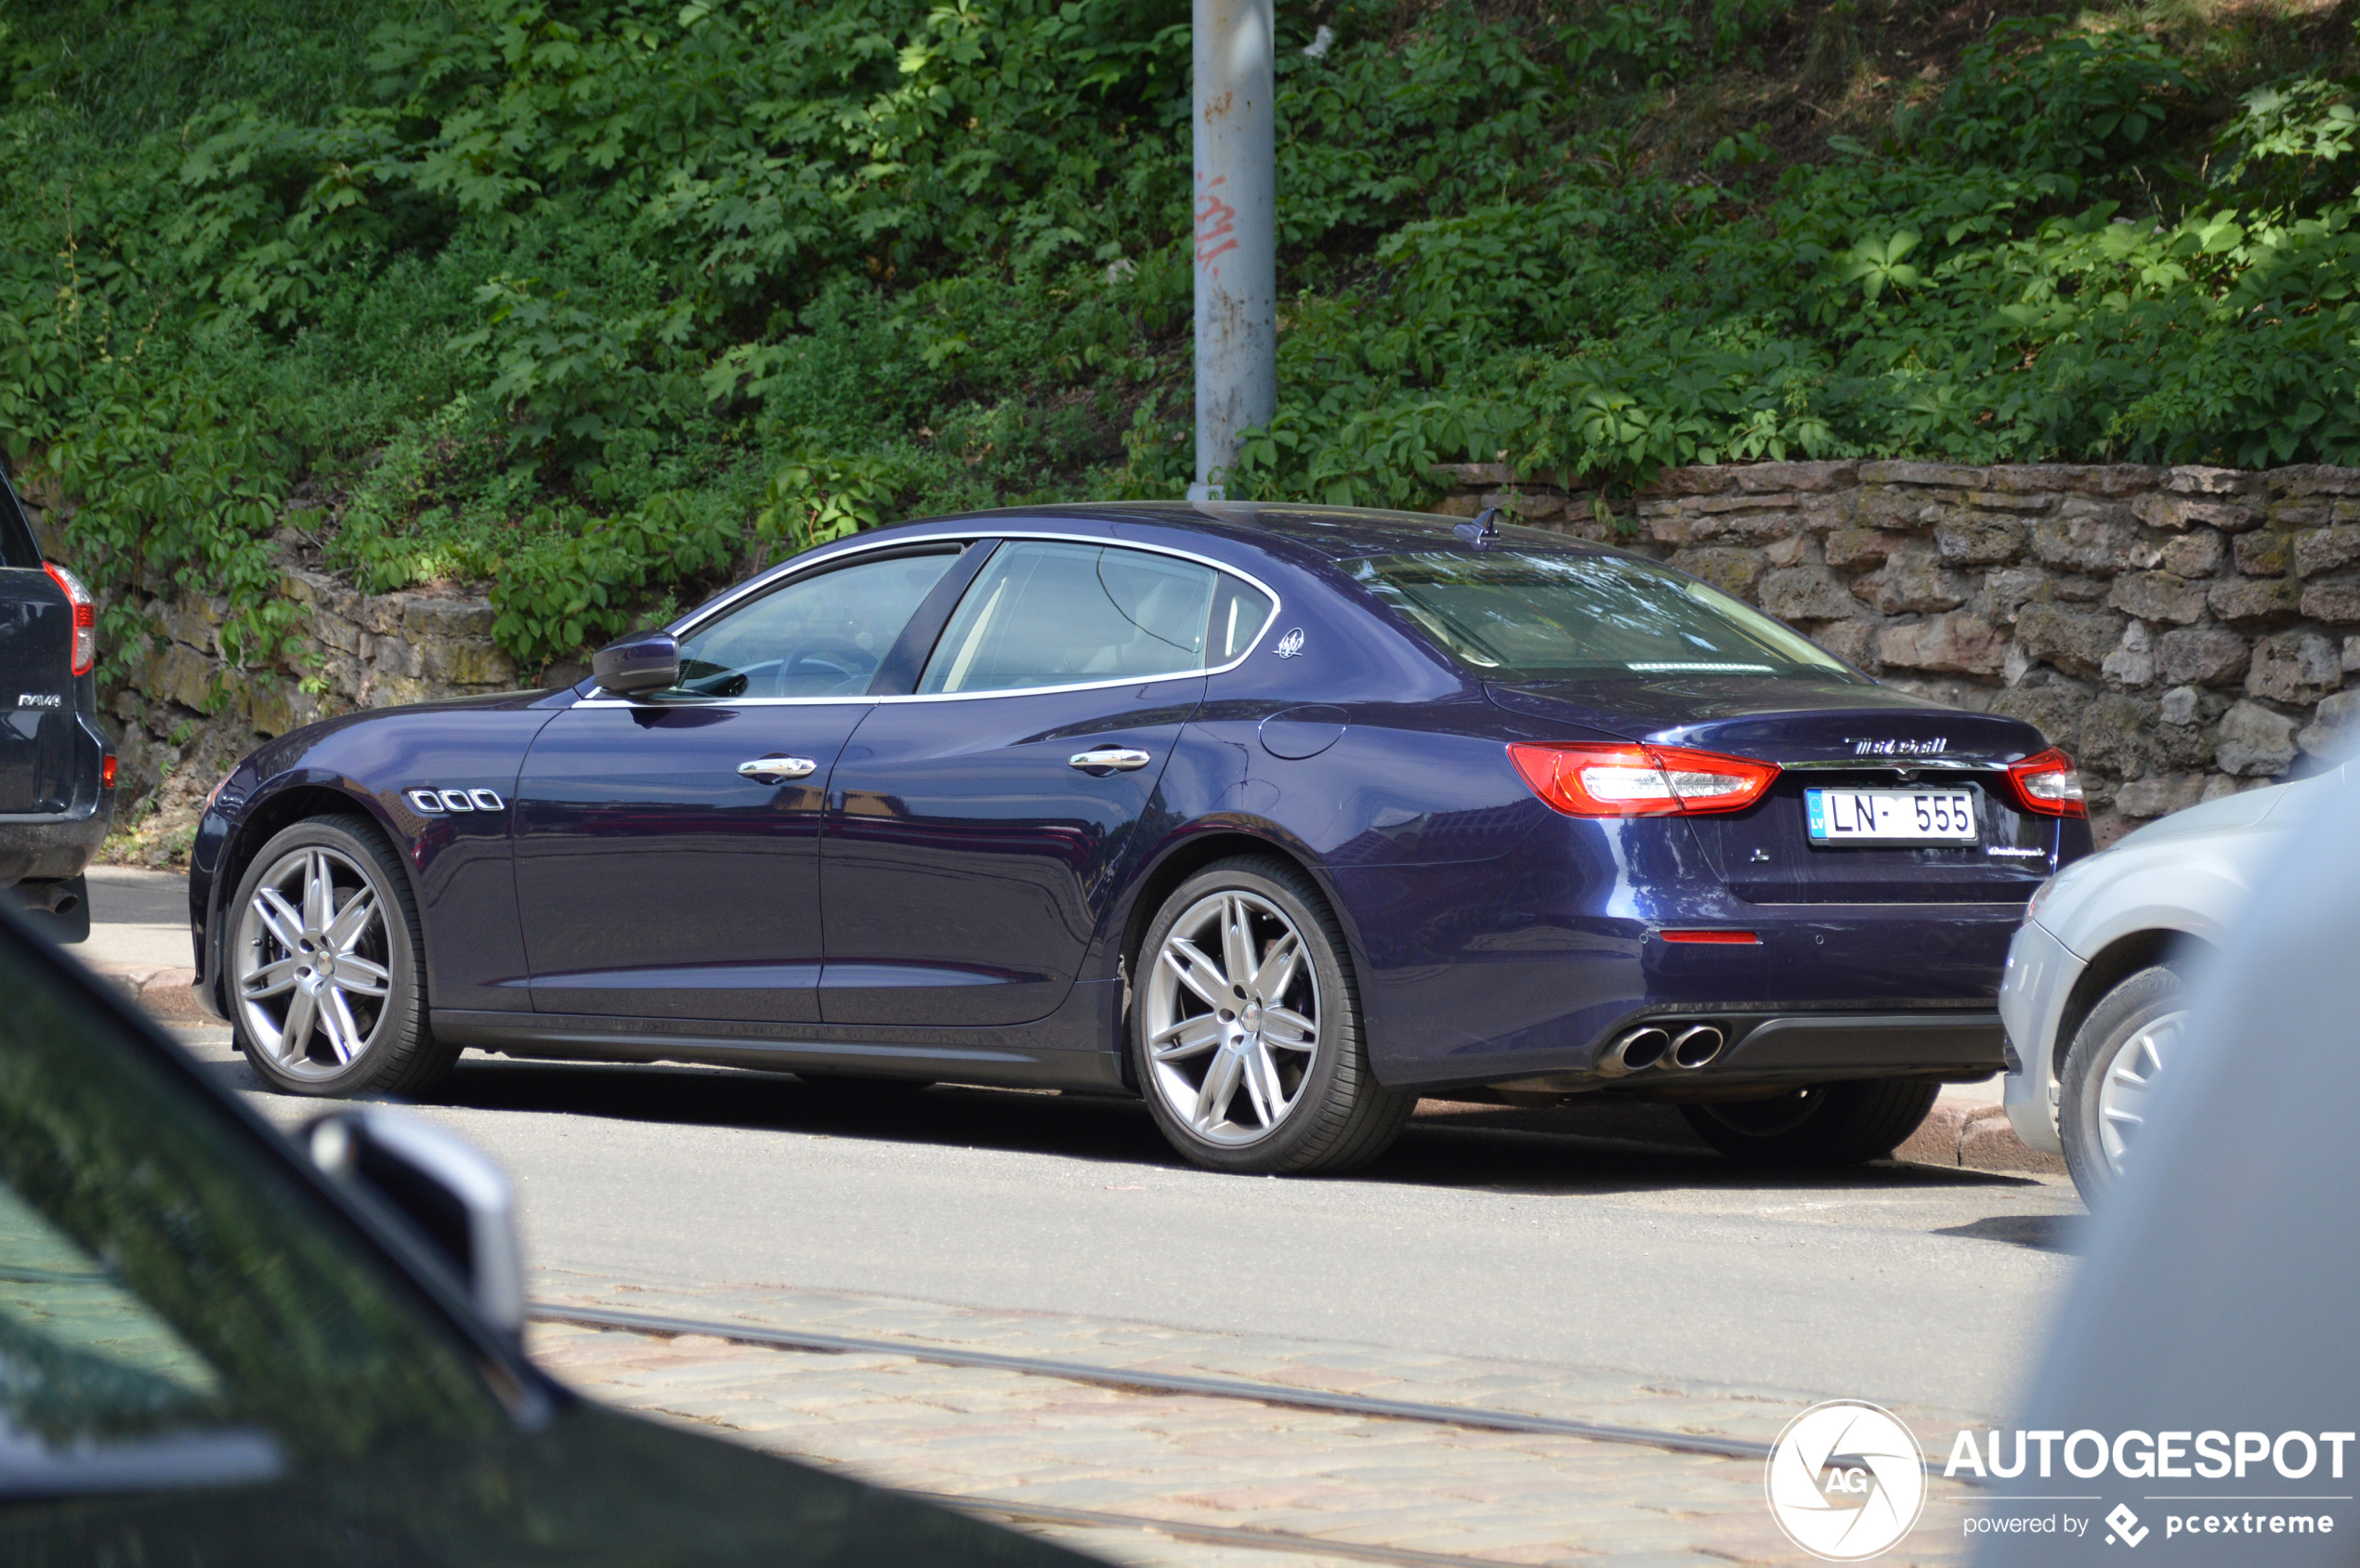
x=1845, y=1480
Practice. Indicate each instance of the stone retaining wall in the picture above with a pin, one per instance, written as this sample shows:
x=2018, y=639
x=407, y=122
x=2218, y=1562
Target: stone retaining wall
x=189, y=716
x=2184, y=632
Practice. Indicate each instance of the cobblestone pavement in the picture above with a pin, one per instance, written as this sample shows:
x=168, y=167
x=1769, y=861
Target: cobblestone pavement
x=1240, y=1482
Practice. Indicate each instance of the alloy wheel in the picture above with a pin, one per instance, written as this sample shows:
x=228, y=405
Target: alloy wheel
x=313, y=963
x=1232, y=1018
x=2126, y=1093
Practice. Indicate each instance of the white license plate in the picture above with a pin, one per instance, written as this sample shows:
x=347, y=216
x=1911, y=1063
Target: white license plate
x=1889, y=816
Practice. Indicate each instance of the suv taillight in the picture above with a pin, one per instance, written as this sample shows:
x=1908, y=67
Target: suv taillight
x=85, y=617
x=2049, y=784
x=1590, y=780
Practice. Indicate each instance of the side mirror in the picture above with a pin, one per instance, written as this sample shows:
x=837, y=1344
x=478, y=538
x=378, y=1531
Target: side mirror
x=456, y=1200
x=642, y=661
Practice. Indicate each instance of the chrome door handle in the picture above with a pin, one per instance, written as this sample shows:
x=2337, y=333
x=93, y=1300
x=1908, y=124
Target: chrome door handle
x=772, y=770
x=1109, y=759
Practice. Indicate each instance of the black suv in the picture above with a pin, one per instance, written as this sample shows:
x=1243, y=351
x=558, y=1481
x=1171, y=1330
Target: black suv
x=57, y=766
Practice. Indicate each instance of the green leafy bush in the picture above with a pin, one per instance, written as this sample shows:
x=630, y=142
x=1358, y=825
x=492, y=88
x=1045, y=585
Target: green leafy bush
x=601, y=301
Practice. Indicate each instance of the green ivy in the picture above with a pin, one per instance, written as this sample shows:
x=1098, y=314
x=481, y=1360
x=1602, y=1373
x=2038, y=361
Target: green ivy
x=604, y=302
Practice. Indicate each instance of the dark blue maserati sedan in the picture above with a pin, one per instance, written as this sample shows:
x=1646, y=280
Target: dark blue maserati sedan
x=1277, y=816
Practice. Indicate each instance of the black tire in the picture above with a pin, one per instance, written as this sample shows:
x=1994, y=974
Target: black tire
x=402, y=1056
x=1340, y=1117
x=1821, y=1123
x=2131, y=1009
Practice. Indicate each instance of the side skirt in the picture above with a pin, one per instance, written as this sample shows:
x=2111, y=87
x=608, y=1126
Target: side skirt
x=1073, y=1048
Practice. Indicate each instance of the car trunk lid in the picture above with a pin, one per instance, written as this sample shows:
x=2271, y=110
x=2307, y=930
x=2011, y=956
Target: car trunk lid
x=1828, y=734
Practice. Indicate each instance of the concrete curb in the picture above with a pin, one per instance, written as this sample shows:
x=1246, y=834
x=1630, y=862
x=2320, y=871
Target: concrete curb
x=1975, y=1137
x=169, y=996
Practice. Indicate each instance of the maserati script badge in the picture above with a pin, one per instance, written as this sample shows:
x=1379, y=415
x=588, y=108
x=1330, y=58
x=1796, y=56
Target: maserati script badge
x=1900, y=748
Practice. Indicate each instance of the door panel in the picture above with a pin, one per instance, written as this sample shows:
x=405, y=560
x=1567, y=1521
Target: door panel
x=663, y=870
x=966, y=862
x=658, y=882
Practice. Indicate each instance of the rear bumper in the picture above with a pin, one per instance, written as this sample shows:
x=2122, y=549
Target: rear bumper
x=1523, y=996
x=53, y=848
x=1775, y=1049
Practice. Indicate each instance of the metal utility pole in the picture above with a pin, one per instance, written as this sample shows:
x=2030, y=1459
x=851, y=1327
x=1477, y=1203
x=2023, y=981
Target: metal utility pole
x=1237, y=221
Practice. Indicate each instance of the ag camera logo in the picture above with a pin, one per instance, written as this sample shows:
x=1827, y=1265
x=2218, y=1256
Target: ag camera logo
x=1845, y=1480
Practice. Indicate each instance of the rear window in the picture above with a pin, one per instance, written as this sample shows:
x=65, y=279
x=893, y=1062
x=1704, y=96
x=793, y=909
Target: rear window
x=17, y=546
x=1534, y=615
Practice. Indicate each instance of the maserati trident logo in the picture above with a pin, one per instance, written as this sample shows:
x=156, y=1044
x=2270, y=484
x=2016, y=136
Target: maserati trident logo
x=1845, y=1480
x=1934, y=747
x=1290, y=645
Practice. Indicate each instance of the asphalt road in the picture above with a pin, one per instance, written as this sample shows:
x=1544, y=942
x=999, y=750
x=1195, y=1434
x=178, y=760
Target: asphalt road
x=1905, y=1284
x=1596, y=1238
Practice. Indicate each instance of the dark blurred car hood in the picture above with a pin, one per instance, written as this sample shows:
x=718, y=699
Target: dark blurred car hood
x=1788, y=719
x=592, y=1489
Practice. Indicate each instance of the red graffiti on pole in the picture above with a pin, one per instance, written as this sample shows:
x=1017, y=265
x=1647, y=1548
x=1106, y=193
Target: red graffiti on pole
x=1214, y=221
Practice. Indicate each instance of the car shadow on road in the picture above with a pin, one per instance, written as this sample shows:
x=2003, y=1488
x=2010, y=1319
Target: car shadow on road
x=1598, y=1148
x=2067, y=1233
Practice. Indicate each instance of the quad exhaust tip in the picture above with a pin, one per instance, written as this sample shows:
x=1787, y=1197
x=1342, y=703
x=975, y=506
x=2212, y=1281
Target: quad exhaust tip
x=1697, y=1047
x=1635, y=1051
x=1651, y=1045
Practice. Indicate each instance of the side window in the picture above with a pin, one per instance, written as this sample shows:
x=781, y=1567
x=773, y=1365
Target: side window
x=1042, y=614
x=1240, y=611
x=821, y=636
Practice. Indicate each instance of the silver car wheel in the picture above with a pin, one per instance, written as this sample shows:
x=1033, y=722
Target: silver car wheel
x=2126, y=1094
x=1232, y=1018
x=313, y=963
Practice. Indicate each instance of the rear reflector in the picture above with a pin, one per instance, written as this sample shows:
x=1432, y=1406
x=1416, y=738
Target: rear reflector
x=1713, y=939
x=2048, y=784
x=86, y=616
x=1584, y=779
x=106, y=774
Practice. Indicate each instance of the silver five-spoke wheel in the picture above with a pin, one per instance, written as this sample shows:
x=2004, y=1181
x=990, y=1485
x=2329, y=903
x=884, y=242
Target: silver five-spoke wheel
x=1232, y=1017
x=2126, y=1094
x=311, y=963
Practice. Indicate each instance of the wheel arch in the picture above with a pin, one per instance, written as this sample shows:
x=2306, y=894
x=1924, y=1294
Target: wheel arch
x=265, y=819
x=2113, y=963
x=1179, y=861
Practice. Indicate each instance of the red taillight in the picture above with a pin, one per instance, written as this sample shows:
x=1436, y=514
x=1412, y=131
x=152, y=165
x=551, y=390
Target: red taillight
x=1715, y=938
x=2048, y=784
x=85, y=617
x=1612, y=780
x=106, y=773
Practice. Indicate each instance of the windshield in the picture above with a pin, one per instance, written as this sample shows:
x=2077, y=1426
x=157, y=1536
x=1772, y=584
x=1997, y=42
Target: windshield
x=1543, y=616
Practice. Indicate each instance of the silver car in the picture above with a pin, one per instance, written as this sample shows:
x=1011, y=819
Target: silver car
x=2093, y=996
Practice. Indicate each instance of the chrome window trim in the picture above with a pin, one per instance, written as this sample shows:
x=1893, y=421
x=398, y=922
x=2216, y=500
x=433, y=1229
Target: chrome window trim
x=721, y=606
